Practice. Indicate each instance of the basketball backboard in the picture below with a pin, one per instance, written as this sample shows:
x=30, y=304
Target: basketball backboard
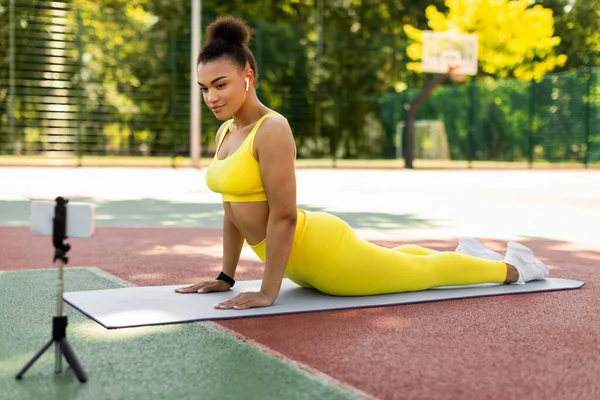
x=442, y=50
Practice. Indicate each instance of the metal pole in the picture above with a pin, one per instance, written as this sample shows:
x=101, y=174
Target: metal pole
x=587, y=111
x=11, y=115
x=195, y=114
x=318, y=59
x=532, y=94
x=59, y=312
x=472, y=131
x=173, y=75
x=405, y=98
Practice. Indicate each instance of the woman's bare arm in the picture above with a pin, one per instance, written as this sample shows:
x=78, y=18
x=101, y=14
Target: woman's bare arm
x=232, y=248
x=233, y=241
x=276, y=154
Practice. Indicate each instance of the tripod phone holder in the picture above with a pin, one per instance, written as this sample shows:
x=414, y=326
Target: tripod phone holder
x=40, y=218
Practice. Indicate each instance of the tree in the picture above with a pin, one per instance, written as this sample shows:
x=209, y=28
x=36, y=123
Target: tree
x=515, y=38
x=582, y=33
x=129, y=73
x=577, y=23
x=332, y=60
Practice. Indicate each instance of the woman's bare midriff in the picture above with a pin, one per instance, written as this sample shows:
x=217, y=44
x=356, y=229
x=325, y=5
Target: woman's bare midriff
x=250, y=219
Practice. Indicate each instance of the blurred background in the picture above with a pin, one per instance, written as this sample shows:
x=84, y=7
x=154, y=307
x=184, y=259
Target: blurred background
x=90, y=80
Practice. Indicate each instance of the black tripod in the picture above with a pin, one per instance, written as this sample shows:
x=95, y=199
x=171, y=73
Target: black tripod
x=59, y=323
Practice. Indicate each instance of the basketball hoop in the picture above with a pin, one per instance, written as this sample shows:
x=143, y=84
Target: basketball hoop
x=445, y=52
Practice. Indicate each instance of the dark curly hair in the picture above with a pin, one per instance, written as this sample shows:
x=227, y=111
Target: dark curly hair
x=227, y=36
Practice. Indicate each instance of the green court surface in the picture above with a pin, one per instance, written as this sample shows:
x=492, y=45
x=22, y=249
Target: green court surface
x=194, y=360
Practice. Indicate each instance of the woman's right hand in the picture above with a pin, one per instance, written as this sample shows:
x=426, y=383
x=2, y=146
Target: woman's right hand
x=205, y=287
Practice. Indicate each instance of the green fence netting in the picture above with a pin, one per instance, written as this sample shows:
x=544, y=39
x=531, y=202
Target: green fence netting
x=555, y=119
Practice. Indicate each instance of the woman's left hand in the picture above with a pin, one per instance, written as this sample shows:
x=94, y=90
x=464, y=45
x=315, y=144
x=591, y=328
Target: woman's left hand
x=246, y=300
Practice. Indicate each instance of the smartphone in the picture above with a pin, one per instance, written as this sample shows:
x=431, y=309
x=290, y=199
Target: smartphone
x=80, y=218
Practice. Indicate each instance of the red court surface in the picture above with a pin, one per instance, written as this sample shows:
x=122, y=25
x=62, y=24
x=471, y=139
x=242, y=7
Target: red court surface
x=534, y=346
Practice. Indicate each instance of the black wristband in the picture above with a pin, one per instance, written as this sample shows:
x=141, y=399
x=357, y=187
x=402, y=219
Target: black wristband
x=223, y=277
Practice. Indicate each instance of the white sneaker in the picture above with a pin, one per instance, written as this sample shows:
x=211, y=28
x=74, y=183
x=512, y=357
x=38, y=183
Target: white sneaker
x=472, y=247
x=523, y=259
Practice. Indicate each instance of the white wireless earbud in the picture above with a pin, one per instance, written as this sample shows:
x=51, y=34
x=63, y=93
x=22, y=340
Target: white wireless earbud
x=247, y=83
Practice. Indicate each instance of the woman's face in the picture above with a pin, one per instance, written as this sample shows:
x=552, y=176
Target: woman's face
x=223, y=86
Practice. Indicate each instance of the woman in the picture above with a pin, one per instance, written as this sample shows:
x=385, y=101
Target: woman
x=253, y=169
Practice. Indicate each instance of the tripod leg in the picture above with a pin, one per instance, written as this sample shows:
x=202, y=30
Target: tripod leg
x=59, y=331
x=57, y=358
x=72, y=360
x=34, y=359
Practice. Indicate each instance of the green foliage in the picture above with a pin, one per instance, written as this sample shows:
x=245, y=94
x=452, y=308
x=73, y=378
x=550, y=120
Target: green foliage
x=515, y=118
x=514, y=38
x=337, y=69
x=577, y=23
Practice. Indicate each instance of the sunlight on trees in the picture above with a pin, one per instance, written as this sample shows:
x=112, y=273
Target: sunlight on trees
x=514, y=39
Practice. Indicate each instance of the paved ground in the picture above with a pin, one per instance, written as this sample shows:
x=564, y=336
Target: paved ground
x=530, y=346
x=556, y=205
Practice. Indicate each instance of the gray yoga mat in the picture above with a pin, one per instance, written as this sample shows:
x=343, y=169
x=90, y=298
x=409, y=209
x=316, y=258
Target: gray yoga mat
x=159, y=305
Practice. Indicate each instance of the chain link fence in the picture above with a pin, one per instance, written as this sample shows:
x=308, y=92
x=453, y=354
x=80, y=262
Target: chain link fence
x=554, y=120
x=76, y=82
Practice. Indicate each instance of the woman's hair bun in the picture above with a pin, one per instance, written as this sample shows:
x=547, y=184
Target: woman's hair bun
x=229, y=29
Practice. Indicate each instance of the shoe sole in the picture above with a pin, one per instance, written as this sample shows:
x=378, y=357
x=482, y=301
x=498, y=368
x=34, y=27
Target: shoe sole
x=512, y=250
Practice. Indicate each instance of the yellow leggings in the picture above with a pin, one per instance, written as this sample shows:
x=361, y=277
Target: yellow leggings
x=328, y=256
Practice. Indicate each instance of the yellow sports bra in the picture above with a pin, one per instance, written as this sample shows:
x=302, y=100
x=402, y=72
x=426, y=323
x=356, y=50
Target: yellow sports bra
x=237, y=176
